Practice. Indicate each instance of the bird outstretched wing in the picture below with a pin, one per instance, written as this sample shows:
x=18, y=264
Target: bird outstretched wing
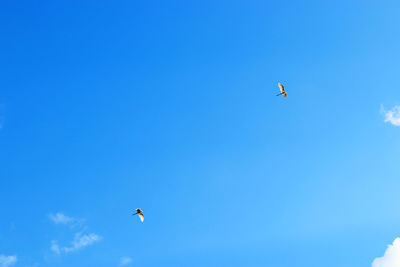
x=281, y=87
x=141, y=217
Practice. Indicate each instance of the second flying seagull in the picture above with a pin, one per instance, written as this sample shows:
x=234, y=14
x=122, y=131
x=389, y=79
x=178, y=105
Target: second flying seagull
x=283, y=92
x=140, y=213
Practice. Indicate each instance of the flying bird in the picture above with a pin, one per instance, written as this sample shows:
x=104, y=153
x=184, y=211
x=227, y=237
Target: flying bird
x=140, y=213
x=283, y=92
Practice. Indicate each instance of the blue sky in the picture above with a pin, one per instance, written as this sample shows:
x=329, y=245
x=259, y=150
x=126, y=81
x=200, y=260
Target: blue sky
x=170, y=106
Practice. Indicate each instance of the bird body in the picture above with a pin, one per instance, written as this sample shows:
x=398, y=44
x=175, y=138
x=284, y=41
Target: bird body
x=283, y=92
x=140, y=213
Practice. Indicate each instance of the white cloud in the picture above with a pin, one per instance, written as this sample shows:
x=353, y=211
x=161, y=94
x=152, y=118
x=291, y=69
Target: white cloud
x=60, y=218
x=393, y=115
x=6, y=261
x=81, y=241
x=54, y=247
x=125, y=261
x=391, y=258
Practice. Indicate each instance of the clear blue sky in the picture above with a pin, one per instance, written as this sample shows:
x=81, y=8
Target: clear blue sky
x=170, y=106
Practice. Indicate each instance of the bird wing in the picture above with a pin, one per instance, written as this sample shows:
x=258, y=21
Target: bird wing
x=281, y=87
x=141, y=217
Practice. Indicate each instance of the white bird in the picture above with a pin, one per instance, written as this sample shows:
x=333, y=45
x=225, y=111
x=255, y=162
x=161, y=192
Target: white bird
x=283, y=92
x=140, y=213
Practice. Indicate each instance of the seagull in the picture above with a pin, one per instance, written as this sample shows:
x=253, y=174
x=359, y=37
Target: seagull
x=283, y=92
x=140, y=213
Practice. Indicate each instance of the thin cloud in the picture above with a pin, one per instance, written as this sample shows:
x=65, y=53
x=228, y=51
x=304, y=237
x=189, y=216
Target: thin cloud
x=392, y=116
x=391, y=258
x=81, y=241
x=125, y=261
x=6, y=261
x=60, y=218
x=54, y=247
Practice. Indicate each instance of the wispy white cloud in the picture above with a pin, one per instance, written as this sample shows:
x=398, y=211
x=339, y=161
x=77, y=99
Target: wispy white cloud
x=125, y=261
x=6, y=261
x=391, y=258
x=392, y=116
x=81, y=241
x=55, y=247
x=60, y=218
